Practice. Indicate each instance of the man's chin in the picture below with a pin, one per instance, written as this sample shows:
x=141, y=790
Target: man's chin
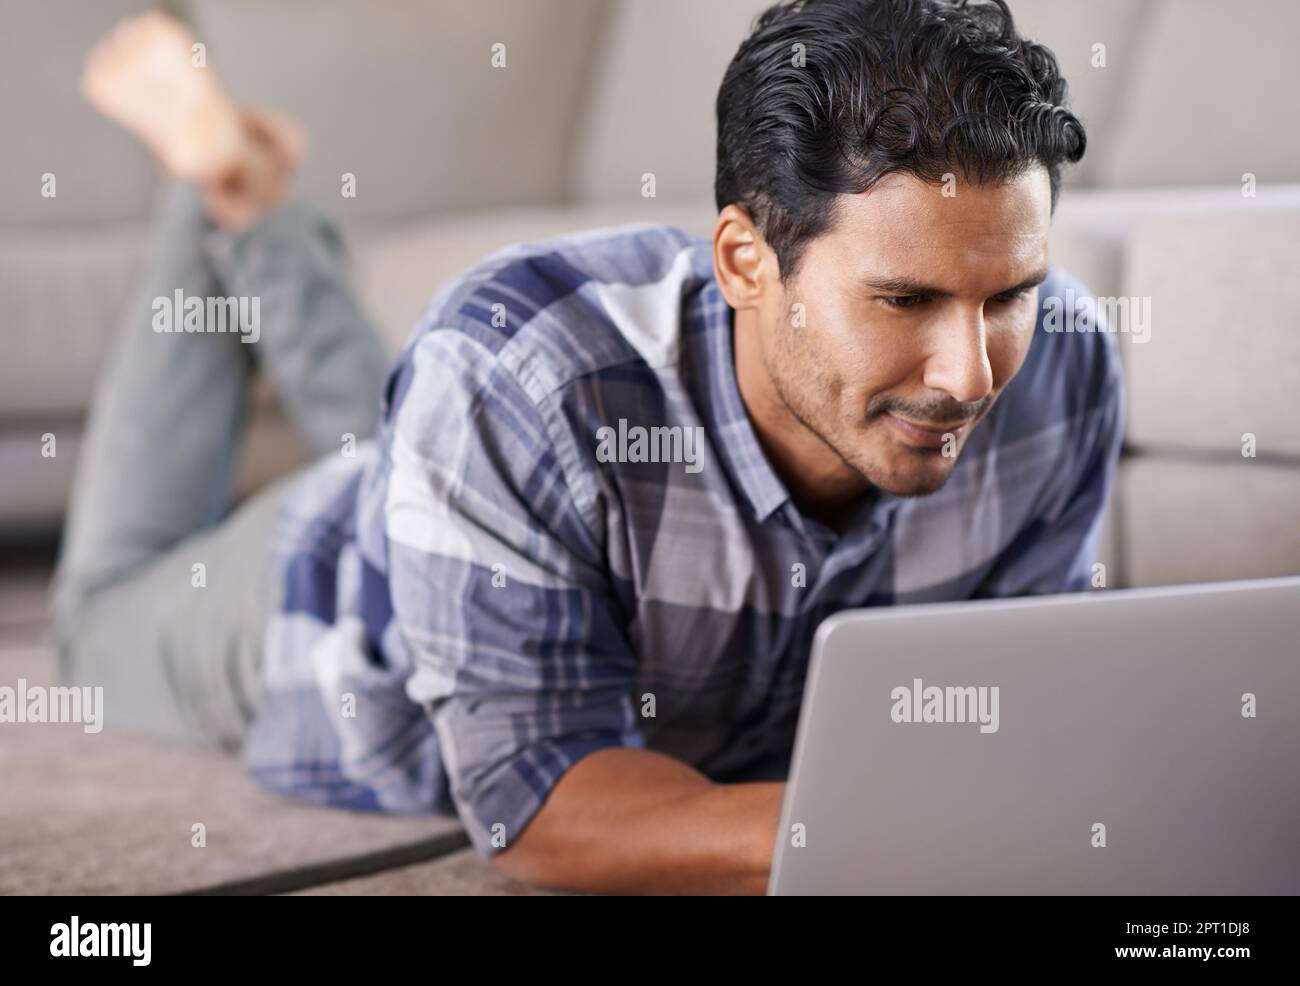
x=925, y=474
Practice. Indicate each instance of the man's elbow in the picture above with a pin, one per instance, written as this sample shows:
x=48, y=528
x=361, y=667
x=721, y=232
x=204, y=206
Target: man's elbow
x=521, y=861
x=514, y=863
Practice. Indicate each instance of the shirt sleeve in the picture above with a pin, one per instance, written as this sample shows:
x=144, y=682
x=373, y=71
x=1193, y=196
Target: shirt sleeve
x=499, y=588
x=1056, y=551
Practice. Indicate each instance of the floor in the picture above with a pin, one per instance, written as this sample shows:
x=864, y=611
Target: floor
x=109, y=813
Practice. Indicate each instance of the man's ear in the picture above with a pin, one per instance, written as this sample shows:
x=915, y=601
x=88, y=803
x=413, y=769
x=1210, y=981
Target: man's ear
x=742, y=262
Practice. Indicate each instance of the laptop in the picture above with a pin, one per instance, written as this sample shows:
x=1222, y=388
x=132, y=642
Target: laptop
x=1139, y=741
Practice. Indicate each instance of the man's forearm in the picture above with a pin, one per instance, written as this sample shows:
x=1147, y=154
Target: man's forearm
x=636, y=821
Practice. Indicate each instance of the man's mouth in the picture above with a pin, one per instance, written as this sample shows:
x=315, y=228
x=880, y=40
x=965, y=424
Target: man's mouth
x=927, y=434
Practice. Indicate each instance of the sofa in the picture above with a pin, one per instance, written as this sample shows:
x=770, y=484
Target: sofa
x=1189, y=198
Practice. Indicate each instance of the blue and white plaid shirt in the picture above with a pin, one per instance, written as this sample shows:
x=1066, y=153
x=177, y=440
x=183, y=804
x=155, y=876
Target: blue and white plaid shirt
x=476, y=600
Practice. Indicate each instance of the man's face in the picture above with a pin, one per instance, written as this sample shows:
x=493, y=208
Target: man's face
x=917, y=310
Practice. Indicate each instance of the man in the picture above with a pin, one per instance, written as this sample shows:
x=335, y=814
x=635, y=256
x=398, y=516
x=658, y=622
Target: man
x=620, y=478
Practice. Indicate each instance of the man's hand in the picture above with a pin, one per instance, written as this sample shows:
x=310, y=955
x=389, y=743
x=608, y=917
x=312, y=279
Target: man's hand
x=634, y=821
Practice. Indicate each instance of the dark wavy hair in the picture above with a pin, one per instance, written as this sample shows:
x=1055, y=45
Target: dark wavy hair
x=923, y=87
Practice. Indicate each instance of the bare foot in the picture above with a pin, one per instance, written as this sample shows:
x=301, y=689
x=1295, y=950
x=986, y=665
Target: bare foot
x=259, y=180
x=140, y=75
x=282, y=137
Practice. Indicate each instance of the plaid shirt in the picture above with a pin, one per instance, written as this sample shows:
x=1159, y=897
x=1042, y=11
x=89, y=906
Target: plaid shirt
x=478, y=599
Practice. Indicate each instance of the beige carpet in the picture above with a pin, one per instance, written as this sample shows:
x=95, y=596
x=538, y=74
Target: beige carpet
x=459, y=874
x=108, y=813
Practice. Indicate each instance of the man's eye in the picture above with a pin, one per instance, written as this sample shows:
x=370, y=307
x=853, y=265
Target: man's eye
x=903, y=300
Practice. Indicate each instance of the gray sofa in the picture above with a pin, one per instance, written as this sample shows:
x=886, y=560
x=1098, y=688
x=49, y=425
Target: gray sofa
x=454, y=158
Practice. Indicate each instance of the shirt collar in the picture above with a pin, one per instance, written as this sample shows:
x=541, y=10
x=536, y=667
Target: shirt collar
x=734, y=437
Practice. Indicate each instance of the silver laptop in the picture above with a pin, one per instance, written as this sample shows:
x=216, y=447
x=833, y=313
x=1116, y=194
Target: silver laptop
x=1117, y=742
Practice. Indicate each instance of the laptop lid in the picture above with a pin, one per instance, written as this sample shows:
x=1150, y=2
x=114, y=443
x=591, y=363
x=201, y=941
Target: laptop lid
x=1115, y=742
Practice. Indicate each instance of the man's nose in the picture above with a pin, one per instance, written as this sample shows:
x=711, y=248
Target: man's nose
x=958, y=363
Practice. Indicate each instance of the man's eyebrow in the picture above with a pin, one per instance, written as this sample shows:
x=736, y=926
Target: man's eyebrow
x=1032, y=281
x=908, y=286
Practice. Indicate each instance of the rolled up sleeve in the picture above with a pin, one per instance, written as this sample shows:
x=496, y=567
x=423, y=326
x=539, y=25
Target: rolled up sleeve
x=499, y=591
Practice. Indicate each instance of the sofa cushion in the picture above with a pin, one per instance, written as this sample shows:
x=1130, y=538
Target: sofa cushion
x=100, y=173
x=404, y=96
x=64, y=292
x=1224, y=354
x=36, y=487
x=1211, y=96
x=657, y=71
x=1190, y=520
